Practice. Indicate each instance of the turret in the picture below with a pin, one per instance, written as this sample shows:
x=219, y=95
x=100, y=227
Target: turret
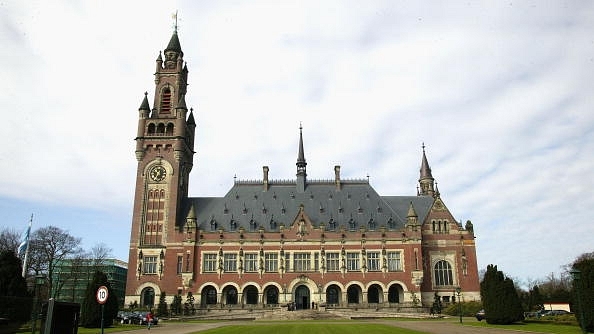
x=426, y=180
x=301, y=164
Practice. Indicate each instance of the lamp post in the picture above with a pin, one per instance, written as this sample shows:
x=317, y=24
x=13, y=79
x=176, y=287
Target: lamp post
x=458, y=292
x=576, y=275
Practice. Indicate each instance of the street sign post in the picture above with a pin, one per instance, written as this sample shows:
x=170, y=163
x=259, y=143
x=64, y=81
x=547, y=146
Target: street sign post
x=102, y=294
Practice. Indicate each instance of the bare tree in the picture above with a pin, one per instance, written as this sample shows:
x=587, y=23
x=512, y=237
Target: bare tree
x=9, y=240
x=50, y=245
x=99, y=253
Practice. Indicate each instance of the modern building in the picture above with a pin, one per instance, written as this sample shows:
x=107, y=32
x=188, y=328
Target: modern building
x=270, y=242
x=71, y=277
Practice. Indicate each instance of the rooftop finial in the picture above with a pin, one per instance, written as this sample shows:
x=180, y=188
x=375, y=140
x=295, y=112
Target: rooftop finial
x=174, y=17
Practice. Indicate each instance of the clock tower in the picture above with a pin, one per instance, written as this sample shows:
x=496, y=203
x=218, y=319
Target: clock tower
x=164, y=151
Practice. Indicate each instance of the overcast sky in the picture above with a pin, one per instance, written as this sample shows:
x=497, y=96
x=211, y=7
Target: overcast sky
x=500, y=92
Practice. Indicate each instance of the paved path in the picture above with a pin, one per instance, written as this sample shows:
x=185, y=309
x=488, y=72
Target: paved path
x=433, y=327
x=444, y=327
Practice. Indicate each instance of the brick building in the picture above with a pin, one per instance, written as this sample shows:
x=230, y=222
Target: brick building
x=271, y=242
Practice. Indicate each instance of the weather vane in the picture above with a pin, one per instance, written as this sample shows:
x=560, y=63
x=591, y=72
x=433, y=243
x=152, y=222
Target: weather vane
x=174, y=17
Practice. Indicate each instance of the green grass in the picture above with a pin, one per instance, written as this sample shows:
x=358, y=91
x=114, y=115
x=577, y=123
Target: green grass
x=309, y=328
x=531, y=327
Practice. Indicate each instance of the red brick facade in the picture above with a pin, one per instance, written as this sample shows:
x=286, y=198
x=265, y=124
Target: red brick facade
x=267, y=243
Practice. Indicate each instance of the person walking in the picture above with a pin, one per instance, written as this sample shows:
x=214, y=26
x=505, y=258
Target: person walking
x=149, y=320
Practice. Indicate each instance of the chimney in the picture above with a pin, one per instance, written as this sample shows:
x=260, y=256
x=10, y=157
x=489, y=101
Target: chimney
x=337, y=177
x=265, y=169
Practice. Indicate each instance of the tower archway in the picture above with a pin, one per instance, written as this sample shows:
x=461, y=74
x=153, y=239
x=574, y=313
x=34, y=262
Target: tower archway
x=302, y=297
x=147, y=298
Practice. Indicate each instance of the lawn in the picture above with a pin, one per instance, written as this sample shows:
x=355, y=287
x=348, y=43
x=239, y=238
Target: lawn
x=310, y=328
x=545, y=327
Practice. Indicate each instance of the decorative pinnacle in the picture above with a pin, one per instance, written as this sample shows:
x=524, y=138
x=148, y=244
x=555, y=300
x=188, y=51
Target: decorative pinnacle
x=174, y=17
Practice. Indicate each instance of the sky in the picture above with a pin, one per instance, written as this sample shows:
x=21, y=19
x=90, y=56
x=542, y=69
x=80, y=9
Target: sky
x=501, y=94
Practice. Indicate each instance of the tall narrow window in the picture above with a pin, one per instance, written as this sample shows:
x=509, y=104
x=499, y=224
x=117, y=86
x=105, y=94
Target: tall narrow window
x=373, y=261
x=230, y=262
x=353, y=262
x=150, y=265
x=251, y=262
x=180, y=261
x=209, y=263
x=394, y=261
x=332, y=262
x=166, y=101
x=443, y=273
x=301, y=262
x=271, y=262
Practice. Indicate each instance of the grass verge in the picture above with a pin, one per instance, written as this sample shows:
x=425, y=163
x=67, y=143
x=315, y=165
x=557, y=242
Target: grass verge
x=310, y=328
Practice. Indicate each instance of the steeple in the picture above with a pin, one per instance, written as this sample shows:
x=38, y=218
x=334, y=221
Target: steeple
x=173, y=52
x=301, y=171
x=426, y=180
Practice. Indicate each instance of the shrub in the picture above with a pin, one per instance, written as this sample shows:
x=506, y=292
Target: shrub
x=469, y=309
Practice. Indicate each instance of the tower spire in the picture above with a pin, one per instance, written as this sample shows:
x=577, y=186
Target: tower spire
x=301, y=164
x=174, y=17
x=426, y=180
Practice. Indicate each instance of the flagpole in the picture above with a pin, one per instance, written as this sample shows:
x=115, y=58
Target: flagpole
x=27, y=249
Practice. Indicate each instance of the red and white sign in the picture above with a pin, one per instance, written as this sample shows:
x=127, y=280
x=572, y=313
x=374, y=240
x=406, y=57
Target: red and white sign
x=102, y=294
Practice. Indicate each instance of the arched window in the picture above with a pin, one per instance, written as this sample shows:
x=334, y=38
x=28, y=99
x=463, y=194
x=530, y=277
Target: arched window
x=211, y=296
x=169, y=129
x=352, y=224
x=166, y=101
x=391, y=224
x=231, y=296
x=251, y=295
x=151, y=129
x=353, y=295
x=272, y=295
x=394, y=293
x=332, y=224
x=443, y=273
x=373, y=294
x=332, y=294
x=371, y=224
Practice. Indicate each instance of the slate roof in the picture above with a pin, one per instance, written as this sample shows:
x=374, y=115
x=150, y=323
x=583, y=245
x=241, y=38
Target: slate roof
x=355, y=205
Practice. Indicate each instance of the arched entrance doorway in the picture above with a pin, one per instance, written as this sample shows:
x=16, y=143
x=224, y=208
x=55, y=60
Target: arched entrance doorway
x=374, y=294
x=230, y=295
x=353, y=293
x=271, y=294
x=148, y=297
x=209, y=296
x=394, y=293
x=333, y=295
x=302, y=298
x=250, y=295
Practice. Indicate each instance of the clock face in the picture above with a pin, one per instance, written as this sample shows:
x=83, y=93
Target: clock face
x=157, y=173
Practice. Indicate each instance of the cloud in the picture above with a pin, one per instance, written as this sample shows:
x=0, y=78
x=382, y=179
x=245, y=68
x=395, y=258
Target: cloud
x=500, y=93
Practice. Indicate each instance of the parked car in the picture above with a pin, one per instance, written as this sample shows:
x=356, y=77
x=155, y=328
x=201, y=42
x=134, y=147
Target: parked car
x=480, y=315
x=554, y=313
x=143, y=321
x=123, y=317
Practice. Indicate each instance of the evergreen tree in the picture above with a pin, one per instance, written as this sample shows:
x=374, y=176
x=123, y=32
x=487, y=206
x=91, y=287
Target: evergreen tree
x=91, y=309
x=162, y=307
x=584, y=301
x=437, y=306
x=176, y=305
x=536, y=302
x=189, y=305
x=15, y=301
x=500, y=298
